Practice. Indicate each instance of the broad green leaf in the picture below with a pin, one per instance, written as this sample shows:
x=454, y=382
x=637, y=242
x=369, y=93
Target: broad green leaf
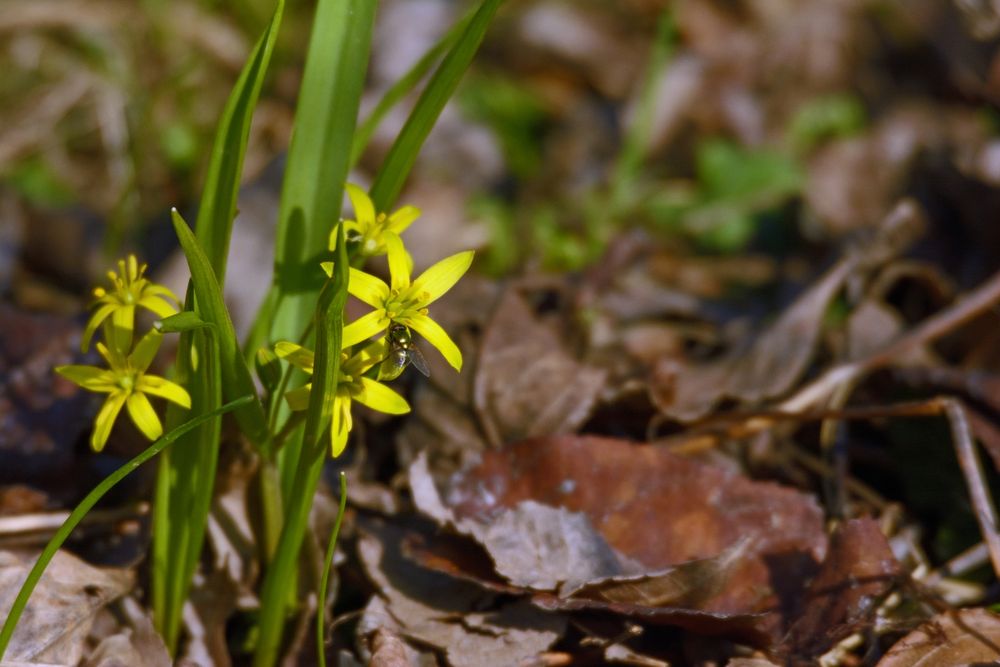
x=319, y=156
x=236, y=378
x=398, y=163
x=329, y=333
x=222, y=181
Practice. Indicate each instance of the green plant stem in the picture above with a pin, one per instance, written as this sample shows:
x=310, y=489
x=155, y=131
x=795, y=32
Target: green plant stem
x=21, y=601
x=283, y=568
x=331, y=547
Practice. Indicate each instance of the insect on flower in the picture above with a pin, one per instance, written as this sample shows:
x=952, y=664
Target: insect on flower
x=402, y=351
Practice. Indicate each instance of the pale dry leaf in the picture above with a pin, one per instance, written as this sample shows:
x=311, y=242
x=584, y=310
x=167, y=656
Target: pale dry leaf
x=957, y=637
x=60, y=613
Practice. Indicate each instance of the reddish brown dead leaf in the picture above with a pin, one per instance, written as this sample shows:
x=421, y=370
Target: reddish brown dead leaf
x=527, y=384
x=859, y=570
x=624, y=488
x=959, y=637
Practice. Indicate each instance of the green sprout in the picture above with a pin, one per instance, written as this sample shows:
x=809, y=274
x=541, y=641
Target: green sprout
x=126, y=383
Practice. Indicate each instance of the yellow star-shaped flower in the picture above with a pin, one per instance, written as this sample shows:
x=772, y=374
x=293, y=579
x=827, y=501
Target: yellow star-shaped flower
x=127, y=383
x=406, y=301
x=351, y=386
x=370, y=228
x=129, y=289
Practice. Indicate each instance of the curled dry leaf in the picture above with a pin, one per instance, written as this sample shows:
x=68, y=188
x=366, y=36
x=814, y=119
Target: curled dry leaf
x=859, y=570
x=781, y=353
x=527, y=384
x=136, y=646
x=471, y=627
x=699, y=512
x=54, y=625
x=961, y=637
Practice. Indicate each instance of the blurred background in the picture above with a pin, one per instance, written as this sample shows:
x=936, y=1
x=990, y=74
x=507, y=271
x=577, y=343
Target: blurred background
x=717, y=128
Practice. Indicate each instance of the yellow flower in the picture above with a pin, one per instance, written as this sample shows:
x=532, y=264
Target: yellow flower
x=129, y=289
x=351, y=385
x=406, y=301
x=127, y=384
x=370, y=228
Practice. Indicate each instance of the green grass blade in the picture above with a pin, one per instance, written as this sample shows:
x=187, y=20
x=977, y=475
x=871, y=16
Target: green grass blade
x=331, y=547
x=403, y=86
x=236, y=378
x=319, y=155
x=398, y=163
x=21, y=601
x=222, y=182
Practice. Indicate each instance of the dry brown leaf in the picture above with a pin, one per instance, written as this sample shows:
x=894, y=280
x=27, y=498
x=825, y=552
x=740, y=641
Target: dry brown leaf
x=54, y=625
x=471, y=627
x=136, y=646
x=960, y=637
x=526, y=383
x=699, y=511
x=858, y=571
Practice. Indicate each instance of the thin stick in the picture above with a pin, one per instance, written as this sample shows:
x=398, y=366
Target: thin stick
x=968, y=459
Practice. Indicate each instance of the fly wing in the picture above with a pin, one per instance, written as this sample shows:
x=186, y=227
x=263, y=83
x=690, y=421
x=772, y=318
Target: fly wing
x=418, y=361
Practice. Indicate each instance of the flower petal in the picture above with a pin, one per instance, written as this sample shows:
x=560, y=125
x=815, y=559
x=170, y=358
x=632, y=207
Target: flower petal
x=157, y=386
x=364, y=209
x=158, y=305
x=296, y=355
x=91, y=378
x=368, y=288
x=402, y=218
x=340, y=425
x=122, y=325
x=440, y=278
x=144, y=416
x=379, y=397
x=364, y=328
x=105, y=419
x=298, y=399
x=153, y=289
x=95, y=321
x=145, y=350
x=400, y=264
x=436, y=336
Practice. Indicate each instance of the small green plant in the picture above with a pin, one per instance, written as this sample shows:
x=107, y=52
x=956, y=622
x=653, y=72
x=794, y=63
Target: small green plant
x=330, y=365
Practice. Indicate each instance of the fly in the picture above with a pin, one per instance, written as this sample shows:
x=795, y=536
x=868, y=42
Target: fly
x=403, y=351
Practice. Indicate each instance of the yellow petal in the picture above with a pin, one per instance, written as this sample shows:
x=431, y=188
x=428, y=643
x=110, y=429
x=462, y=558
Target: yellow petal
x=364, y=209
x=106, y=419
x=367, y=288
x=122, y=325
x=327, y=268
x=379, y=397
x=158, y=305
x=298, y=399
x=157, y=386
x=91, y=378
x=440, y=278
x=145, y=350
x=295, y=354
x=153, y=289
x=95, y=321
x=144, y=416
x=403, y=218
x=400, y=264
x=436, y=336
x=340, y=425
x=364, y=328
